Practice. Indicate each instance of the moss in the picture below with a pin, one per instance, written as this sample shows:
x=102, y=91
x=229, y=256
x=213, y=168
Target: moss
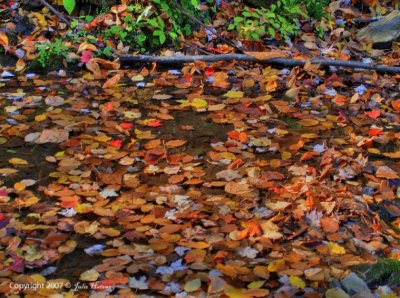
x=383, y=272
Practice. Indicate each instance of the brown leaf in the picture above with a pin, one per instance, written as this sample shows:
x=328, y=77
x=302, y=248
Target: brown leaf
x=237, y=189
x=329, y=224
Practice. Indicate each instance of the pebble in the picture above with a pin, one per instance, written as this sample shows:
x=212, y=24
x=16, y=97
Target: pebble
x=336, y=293
x=355, y=285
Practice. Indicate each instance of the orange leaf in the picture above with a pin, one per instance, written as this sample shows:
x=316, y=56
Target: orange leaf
x=112, y=82
x=3, y=39
x=175, y=143
x=396, y=105
x=267, y=55
x=69, y=201
x=253, y=228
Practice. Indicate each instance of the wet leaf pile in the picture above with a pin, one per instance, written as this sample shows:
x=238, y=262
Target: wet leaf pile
x=222, y=180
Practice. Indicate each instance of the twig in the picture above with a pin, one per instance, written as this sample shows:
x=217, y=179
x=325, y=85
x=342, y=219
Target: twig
x=210, y=28
x=366, y=20
x=58, y=14
x=241, y=57
x=196, y=47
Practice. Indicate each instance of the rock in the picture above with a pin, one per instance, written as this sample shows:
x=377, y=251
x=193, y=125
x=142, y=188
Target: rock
x=336, y=293
x=385, y=30
x=355, y=285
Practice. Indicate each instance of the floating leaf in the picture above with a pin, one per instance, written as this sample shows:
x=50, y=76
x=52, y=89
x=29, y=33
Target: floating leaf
x=198, y=103
x=297, y=282
x=17, y=161
x=89, y=275
x=192, y=285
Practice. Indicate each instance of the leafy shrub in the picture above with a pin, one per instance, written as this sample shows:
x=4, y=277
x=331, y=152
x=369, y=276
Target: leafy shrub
x=282, y=18
x=51, y=51
x=153, y=26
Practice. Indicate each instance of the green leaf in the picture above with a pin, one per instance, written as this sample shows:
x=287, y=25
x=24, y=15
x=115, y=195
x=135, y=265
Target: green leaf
x=69, y=5
x=231, y=27
x=173, y=35
x=161, y=35
x=271, y=31
x=195, y=3
x=238, y=19
x=152, y=22
x=192, y=285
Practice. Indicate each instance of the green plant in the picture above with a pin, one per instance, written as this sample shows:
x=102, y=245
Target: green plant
x=50, y=51
x=316, y=9
x=69, y=5
x=153, y=26
x=281, y=17
x=257, y=23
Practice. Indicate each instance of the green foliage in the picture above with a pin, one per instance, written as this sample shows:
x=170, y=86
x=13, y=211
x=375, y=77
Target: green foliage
x=282, y=18
x=50, y=51
x=153, y=26
x=69, y=5
x=316, y=9
x=383, y=272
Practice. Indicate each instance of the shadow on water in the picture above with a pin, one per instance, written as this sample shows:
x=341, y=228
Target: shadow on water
x=37, y=168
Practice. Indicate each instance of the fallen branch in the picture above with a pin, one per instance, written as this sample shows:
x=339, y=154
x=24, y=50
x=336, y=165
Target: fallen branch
x=58, y=14
x=241, y=57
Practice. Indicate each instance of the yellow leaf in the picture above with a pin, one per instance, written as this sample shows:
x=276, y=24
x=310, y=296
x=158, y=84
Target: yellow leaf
x=297, y=282
x=59, y=153
x=374, y=150
x=19, y=186
x=40, y=117
x=286, y=155
x=41, y=20
x=37, y=278
x=86, y=46
x=232, y=292
x=137, y=78
x=336, y=248
x=276, y=265
x=199, y=103
x=89, y=275
x=234, y=94
x=17, y=161
x=392, y=154
x=256, y=284
x=31, y=201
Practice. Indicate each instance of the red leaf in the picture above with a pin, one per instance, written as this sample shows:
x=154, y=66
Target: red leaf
x=154, y=123
x=86, y=56
x=373, y=114
x=18, y=264
x=375, y=132
x=209, y=71
x=125, y=125
x=115, y=143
